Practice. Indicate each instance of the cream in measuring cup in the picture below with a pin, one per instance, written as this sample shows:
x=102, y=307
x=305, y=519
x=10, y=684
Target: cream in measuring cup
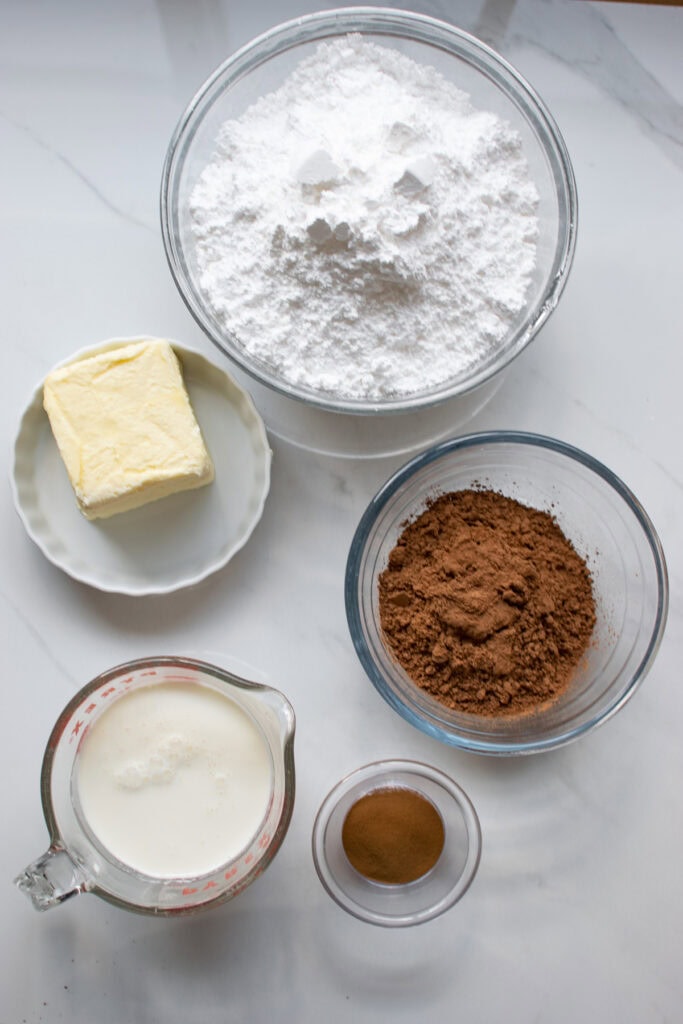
x=174, y=779
x=167, y=785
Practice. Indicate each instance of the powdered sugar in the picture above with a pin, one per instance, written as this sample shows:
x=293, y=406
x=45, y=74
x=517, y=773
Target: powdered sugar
x=363, y=230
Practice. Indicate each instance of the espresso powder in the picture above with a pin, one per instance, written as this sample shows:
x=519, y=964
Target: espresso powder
x=393, y=835
x=486, y=604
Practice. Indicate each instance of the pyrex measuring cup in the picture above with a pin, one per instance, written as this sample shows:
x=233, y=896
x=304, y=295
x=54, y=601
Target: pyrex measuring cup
x=77, y=861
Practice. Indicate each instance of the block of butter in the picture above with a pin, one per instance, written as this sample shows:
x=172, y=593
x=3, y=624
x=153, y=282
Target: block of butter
x=125, y=428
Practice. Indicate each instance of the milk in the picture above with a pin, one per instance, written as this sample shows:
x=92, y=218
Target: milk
x=174, y=780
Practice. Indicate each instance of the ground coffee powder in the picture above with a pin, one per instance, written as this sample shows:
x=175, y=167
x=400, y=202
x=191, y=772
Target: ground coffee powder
x=486, y=604
x=393, y=835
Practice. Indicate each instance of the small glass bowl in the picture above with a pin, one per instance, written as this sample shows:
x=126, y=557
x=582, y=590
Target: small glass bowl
x=396, y=906
x=607, y=526
x=259, y=68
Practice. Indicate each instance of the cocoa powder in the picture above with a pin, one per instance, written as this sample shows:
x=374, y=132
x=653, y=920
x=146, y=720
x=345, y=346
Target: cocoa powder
x=486, y=604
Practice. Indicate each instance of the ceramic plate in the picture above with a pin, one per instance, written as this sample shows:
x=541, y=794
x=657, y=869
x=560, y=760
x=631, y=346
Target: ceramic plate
x=168, y=544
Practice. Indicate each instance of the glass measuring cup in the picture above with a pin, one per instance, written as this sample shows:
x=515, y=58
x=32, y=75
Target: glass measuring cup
x=76, y=861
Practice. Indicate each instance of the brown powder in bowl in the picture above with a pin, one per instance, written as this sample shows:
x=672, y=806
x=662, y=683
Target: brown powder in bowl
x=393, y=835
x=486, y=604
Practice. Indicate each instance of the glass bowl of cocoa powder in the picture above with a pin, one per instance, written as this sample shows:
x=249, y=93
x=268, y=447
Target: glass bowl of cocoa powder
x=506, y=592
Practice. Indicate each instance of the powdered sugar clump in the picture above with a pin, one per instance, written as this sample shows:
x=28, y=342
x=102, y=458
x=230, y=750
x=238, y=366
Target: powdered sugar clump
x=363, y=230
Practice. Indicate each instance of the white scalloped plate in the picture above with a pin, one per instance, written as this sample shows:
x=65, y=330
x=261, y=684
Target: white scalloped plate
x=168, y=544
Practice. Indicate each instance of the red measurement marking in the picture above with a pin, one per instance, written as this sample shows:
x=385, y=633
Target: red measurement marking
x=76, y=729
x=90, y=708
x=230, y=873
x=107, y=693
x=152, y=672
x=264, y=840
x=209, y=885
x=248, y=859
x=189, y=892
x=128, y=681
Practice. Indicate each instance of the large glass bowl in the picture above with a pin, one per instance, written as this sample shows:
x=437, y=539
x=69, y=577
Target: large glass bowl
x=261, y=66
x=607, y=526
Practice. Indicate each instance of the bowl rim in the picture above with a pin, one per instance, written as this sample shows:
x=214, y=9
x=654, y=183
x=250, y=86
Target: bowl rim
x=387, y=21
x=500, y=746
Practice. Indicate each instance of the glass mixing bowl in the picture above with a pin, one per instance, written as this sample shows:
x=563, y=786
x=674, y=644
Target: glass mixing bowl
x=493, y=85
x=607, y=526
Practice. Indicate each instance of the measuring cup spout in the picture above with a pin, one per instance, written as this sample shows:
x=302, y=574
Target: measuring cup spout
x=284, y=712
x=51, y=879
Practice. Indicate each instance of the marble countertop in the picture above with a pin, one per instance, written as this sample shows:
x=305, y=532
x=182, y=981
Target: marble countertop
x=576, y=911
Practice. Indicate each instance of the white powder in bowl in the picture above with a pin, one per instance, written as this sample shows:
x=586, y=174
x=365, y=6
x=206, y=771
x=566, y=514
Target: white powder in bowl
x=363, y=230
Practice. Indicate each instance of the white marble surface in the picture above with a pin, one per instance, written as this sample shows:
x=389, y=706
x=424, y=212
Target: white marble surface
x=576, y=913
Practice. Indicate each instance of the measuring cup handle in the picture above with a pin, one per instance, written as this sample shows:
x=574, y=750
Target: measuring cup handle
x=51, y=879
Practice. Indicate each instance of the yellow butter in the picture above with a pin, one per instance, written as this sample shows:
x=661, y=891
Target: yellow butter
x=125, y=428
